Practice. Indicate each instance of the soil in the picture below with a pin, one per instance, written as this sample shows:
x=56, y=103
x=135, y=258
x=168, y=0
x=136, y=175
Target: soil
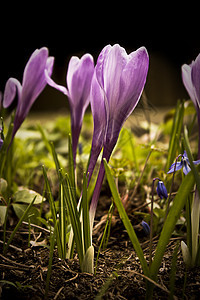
x=118, y=273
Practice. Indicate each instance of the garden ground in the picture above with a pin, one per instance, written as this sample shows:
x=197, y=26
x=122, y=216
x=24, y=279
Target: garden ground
x=23, y=269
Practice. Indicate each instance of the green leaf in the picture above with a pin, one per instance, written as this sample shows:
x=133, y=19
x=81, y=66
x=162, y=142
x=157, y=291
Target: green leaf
x=26, y=196
x=88, y=261
x=2, y=214
x=3, y=185
x=125, y=219
x=33, y=212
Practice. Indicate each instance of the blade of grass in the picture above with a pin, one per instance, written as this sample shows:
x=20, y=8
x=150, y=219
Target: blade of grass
x=62, y=221
x=86, y=221
x=44, y=137
x=53, y=212
x=73, y=213
x=55, y=157
x=191, y=159
x=51, y=199
x=19, y=223
x=71, y=171
x=125, y=219
x=175, y=134
x=4, y=224
x=52, y=243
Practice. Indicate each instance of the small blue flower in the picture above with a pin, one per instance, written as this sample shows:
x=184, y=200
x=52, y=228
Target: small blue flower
x=145, y=227
x=184, y=163
x=161, y=190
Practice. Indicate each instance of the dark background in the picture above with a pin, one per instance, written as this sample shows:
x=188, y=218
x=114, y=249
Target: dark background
x=171, y=37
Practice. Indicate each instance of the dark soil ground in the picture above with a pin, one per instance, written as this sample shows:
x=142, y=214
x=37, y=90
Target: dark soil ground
x=118, y=273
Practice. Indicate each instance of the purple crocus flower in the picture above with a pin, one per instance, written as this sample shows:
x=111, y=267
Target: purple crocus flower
x=117, y=85
x=79, y=76
x=190, y=77
x=33, y=83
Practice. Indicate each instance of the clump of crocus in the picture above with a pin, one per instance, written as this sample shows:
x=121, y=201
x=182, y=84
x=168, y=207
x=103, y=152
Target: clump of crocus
x=33, y=83
x=190, y=77
x=117, y=85
x=79, y=76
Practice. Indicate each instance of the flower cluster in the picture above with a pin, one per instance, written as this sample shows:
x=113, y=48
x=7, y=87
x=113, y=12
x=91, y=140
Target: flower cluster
x=113, y=88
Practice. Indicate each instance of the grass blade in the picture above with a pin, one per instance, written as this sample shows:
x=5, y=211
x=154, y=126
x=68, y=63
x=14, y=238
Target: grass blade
x=19, y=223
x=71, y=170
x=86, y=220
x=51, y=199
x=73, y=213
x=62, y=222
x=53, y=212
x=175, y=134
x=52, y=243
x=125, y=219
x=191, y=159
x=55, y=157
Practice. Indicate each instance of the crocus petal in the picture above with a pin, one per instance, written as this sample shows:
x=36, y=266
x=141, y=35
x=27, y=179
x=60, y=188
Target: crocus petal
x=195, y=75
x=34, y=79
x=79, y=76
x=12, y=87
x=133, y=79
x=99, y=118
x=187, y=81
x=100, y=65
x=55, y=85
x=98, y=111
x=112, y=68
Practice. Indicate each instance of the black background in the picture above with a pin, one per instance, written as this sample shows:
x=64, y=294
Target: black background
x=172, y=38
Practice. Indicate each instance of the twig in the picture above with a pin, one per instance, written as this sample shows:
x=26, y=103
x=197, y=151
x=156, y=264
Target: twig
x=11, y=246
x=58, y=293
x=15, y=263
x=36, y=226
x=15, y=267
